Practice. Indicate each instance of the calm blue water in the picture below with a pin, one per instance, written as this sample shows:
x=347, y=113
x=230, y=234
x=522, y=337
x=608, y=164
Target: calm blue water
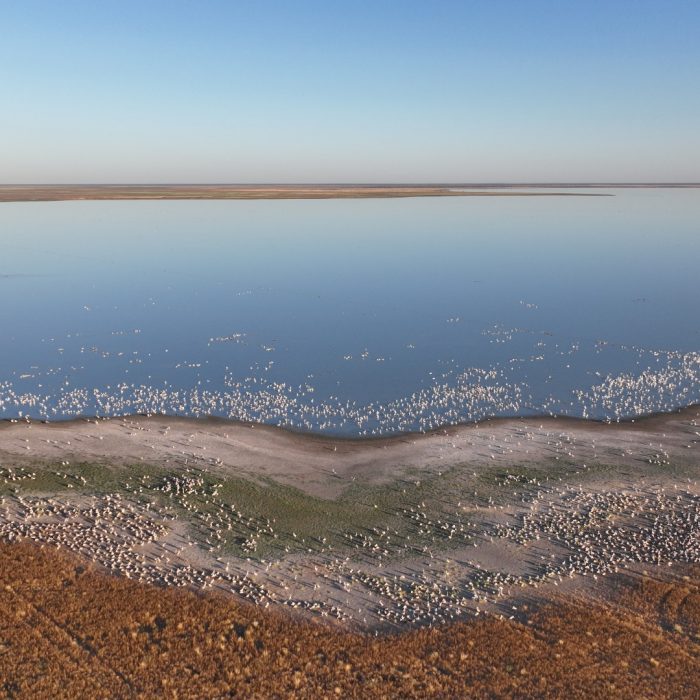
x=352, y=316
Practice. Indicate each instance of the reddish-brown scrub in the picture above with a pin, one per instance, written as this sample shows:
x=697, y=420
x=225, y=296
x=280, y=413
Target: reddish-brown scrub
x=69, y=631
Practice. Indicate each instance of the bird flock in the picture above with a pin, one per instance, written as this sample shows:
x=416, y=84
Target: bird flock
x=669, y=381
x=178, y=530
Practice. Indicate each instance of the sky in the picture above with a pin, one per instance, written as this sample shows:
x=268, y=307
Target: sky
x=330, y=91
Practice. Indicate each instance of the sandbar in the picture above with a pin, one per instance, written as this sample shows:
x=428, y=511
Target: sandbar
x=52, y=193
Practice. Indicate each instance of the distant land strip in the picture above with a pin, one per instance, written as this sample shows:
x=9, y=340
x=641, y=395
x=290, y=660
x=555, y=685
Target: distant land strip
x=49, y=193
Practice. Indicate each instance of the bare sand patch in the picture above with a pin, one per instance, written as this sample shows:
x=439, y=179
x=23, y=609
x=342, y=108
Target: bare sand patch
x=326, y=466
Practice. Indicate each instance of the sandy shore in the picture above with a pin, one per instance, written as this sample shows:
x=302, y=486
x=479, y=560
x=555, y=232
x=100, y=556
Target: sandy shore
x=48, y=193
x=325, y=466
x=406, y=531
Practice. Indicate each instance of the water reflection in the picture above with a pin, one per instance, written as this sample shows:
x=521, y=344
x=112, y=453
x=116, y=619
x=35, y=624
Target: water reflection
x=351, y=316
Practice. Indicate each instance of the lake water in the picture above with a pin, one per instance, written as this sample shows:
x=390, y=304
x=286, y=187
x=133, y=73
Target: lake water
x=352, y=316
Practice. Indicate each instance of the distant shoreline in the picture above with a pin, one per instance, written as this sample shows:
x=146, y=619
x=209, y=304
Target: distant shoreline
x=238, y=191
x=58, y=193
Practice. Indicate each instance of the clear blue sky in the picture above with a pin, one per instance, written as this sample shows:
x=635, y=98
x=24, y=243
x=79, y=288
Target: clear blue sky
x=338, y=91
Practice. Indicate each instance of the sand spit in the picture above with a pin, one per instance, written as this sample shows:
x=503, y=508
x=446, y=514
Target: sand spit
x=67, y=631
x=50, y=193
x=377, y=534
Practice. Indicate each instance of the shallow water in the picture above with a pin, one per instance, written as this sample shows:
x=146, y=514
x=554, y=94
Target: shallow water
x=352, y=316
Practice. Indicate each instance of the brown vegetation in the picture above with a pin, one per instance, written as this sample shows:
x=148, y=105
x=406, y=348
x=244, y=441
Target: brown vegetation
x=68, y=631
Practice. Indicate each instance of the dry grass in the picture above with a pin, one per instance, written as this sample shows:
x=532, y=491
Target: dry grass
x=67, y=631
